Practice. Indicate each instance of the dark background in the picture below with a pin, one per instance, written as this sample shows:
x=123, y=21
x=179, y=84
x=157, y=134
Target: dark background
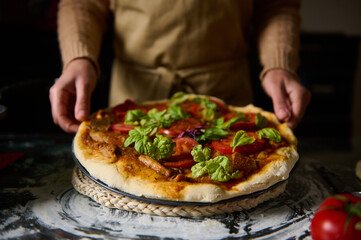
x=30, y=61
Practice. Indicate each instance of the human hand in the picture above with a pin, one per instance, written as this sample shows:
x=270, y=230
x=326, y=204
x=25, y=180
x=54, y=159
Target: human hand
x=289, y=97
x=70, y=96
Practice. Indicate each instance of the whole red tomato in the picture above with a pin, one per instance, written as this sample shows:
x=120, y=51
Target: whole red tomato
x=338, y=218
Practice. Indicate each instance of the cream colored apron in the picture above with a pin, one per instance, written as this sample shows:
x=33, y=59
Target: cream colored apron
x=164, y=46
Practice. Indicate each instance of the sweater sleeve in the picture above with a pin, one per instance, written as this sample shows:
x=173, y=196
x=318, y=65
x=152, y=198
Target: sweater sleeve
x=278, y=30
x=81, y=24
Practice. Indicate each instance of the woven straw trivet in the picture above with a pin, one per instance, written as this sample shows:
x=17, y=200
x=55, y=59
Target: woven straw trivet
x=111, y=199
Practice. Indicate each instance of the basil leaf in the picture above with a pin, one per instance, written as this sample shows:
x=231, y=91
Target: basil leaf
x=143, y=145
x=156, y=119
x=232, y=121
x=163, y=118
x=199, y=169
x=241, y=138
x=218, y=131
x=162, y=147
x=261, y=121
x=176, y=113
x=133, y=116
x=178, y=98
x=153, y=113
x=226, y=125
x=220, y=175
x=150, y=123
x=208, y=114
x=199, y=154
x=205, y=102
x=131, y=139
x=212, y=133
x=242, y=116
x=270, y=133
x=219, y=162
x=210, y=109
x=136, y=135
x=223, y=162
x=219, y=168
x=223, y=176
x=218, y=122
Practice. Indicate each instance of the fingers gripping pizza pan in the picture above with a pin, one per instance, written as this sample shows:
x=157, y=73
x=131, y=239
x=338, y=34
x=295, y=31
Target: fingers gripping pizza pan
x=189, y=150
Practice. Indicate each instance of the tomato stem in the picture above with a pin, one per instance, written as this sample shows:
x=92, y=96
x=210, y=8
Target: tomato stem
x=353, y=210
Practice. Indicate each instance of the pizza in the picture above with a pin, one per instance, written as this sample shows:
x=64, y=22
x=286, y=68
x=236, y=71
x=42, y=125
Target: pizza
x=189, y=148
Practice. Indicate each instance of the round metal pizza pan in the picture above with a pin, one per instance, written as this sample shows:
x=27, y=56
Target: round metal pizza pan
x=168, y=202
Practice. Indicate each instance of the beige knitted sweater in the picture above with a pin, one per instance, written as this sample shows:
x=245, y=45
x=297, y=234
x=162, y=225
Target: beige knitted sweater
x=162, y=46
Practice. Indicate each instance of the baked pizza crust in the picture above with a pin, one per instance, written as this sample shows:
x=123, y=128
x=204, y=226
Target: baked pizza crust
x=147, y=183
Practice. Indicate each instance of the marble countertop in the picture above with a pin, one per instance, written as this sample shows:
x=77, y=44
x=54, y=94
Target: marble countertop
x=37, y=200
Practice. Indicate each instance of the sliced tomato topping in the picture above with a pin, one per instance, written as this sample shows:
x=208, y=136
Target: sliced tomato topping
x=245, y=125
x=180, y=126
x=252, y=148
x=229, y=116
x=182, y=157
x=220, y=104
x=183, y=163
x=122, y=127
x=184, y=145
x=224, y=145
x=159, y=106
x=192, y=108
x=122, y=109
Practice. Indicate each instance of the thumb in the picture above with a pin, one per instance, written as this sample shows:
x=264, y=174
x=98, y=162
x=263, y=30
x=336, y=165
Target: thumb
x=282, y=112
x=281, y=105
x=83, y=101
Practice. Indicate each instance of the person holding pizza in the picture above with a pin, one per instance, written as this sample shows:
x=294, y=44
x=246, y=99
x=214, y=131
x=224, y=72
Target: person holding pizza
x=162, y=46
